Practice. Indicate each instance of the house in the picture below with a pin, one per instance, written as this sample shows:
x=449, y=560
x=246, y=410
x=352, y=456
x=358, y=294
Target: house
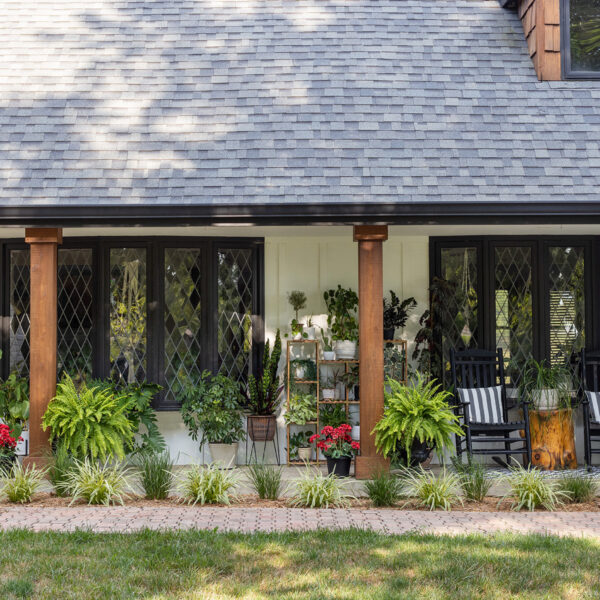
x=170, y=169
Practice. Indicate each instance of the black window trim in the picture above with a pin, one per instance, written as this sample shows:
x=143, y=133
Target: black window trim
x=565, y=46
x=155, y=247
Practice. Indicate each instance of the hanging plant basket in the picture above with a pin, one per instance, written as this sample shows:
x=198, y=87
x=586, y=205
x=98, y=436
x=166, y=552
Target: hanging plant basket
x=262, y=428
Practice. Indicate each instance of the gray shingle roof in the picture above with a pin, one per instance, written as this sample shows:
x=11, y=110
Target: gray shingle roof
x=249, y=101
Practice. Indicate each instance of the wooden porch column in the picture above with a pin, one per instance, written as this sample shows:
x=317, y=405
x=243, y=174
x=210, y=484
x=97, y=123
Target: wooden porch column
x=370, y=307
x=42, y=331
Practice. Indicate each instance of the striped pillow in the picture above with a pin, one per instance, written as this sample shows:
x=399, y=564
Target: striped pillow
x=594, y=399
x=485, y=404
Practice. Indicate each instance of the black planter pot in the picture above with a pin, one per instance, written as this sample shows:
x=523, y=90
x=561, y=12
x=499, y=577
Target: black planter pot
x=339, y=466
x=389, y=333
x=419, y=453
x=357, y=392
x=6, y=462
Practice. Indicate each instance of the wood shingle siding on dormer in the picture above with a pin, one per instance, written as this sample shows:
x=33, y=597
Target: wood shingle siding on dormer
x=541, y=24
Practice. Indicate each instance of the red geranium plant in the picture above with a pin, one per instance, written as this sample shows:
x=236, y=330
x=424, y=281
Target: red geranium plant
x=335, y=442
x=8, y=444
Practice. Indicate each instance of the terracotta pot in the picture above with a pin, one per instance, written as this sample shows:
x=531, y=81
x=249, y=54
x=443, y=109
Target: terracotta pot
x=262, y=428
x=224, y=455
x=345, y=350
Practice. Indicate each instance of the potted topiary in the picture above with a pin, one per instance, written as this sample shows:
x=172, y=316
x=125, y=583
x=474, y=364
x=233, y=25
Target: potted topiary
x=395, y=314
x=338, y=448
x=263, y=395
x=212, y=408
x=302, y=409
x=8, y=446
x=297, y=300
x=416, y=420
x=342, y=304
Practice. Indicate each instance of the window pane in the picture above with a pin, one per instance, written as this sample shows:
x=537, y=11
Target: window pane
x=455, y=305
x=585, y=35
x=513, y=306
x=234, y=334
x=567, y=302
x=128, y=314
x=183, y=273
x=19, y=311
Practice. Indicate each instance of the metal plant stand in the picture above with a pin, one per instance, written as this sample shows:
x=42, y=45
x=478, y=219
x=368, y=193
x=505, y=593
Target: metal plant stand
x=275, y=442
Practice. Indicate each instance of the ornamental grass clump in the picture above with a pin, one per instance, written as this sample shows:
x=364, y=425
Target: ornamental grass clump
x=474, y=482
x=384, y=489
x=208, y=485
x=580, y=489
x=98, y=483
x=61, y=464
x=315, y=490
x=529, y=489
x=19, y=484
x=155, y=471
x=266, y=480
x=431, y=490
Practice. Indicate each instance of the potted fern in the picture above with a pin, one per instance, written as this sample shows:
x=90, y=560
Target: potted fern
x=416, y=420
x=263, y=395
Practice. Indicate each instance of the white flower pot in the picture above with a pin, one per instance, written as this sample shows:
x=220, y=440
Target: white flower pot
x=304, y=454
x=297, y=336
x=355, y=433
x=310, y=332
x=224, y=455
x=328, y=394
x=299, y=373
x=328, y=355
x=545, y=399
x=345, y=350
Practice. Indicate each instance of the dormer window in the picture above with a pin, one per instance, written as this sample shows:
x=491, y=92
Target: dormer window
x=581, y=39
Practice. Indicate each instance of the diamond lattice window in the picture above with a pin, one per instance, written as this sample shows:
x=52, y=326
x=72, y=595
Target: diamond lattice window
x=75, y=316
x=514, y=308
x=234, y=326
x=128, y=315
x=182, y=319
x=19, y=311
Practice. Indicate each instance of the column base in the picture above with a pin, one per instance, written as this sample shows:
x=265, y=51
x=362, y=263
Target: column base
x=366, y=466
x=40, y=462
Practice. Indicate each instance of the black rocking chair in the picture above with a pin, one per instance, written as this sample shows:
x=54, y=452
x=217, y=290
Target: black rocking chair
x=590, y=381
x=473, y=370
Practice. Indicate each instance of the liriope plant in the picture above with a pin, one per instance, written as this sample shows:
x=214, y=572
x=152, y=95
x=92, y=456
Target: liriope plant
x=89, y=422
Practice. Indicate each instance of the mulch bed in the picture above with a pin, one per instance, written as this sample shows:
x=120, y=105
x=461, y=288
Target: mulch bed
x=43, y=500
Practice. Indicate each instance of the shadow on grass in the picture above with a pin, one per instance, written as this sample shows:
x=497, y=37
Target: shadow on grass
x=349, y=564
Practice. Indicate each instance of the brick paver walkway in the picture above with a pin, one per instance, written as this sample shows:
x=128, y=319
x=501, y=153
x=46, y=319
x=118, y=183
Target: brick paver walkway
x=128, y=519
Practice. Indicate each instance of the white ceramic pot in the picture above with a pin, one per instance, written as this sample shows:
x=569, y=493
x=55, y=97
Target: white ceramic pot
x=304, y=454
x=345, y=350
x=297, y=336
x=310, y=332
x=355, y=433
x=328, y=355
x=328, y=394
x=224, y=455
x=299, y=373
x=545, y=399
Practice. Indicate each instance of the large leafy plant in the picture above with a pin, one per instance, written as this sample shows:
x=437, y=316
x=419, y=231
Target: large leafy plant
x=342, y=304
x=212, y=408
x=89, y=421
x=264, y=391
x=419, y=411
x=395, y=313
x=14, y=403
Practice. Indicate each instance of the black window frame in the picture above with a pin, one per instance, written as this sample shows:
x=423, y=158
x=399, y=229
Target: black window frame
x=155, y=247
x=540, y=268
x=565, y=46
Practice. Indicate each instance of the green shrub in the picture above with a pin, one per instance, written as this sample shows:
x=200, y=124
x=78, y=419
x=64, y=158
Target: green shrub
x=315, y=490
x=156, y=474
x=61, y=463
x=208, y=485
x=266, y=480
x=432, y=491
x=89, y=422
x=384, y=489
x=529, y=489
x=474, y=481
x=98, y=483
x=20, y=483
x=580, y=489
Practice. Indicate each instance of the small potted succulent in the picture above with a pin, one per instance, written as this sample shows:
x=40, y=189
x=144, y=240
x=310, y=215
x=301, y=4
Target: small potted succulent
x=342, y=304
x=212, y=408
x=8, y=447
x=395, y=314
x=338, y=447
x=300, y=446
x=327, y=343
x=297, y=300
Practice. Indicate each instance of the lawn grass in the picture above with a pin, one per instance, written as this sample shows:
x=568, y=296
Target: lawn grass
x=321, y=565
